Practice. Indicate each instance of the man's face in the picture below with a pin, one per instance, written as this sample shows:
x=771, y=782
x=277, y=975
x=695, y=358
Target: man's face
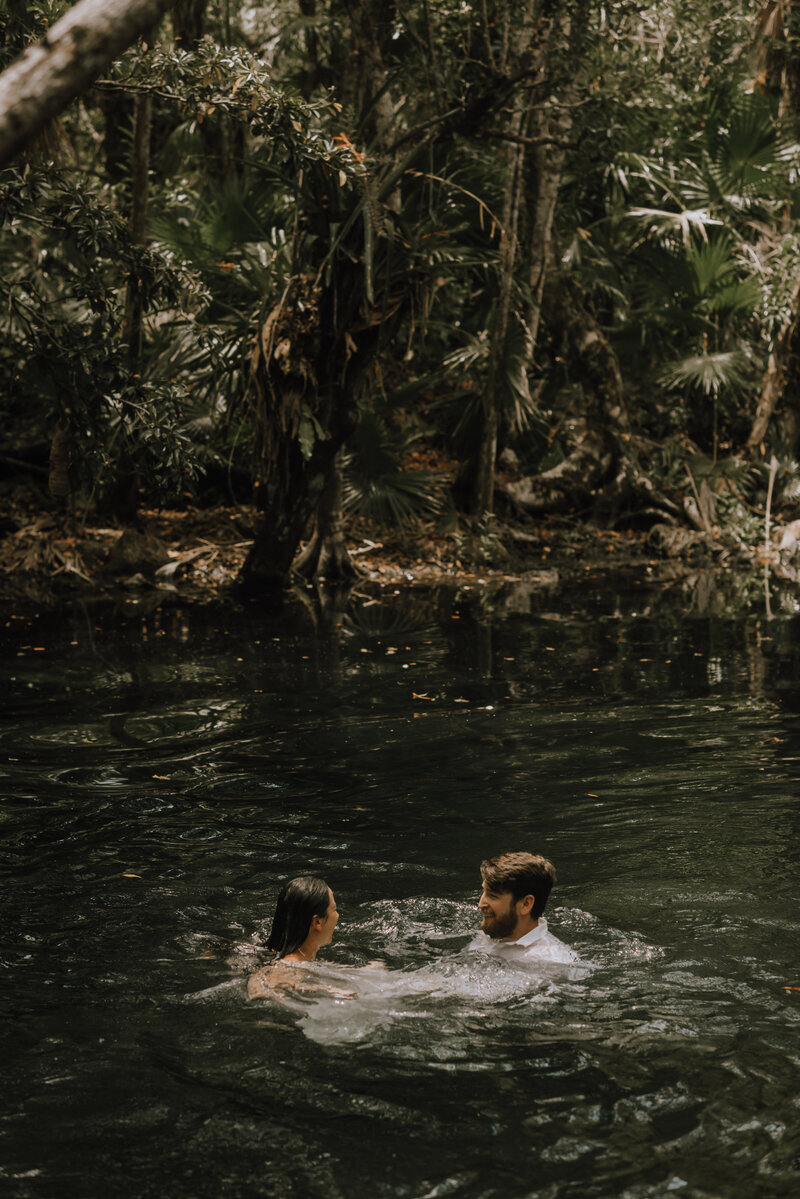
x=499, y=911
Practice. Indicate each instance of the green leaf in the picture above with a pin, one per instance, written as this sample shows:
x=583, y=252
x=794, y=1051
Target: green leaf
x=708, y=373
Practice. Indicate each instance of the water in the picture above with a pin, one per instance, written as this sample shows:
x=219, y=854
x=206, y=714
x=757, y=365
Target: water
x=163, y=771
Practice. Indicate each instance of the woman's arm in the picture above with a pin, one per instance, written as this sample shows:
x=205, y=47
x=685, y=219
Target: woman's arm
x=286, y=978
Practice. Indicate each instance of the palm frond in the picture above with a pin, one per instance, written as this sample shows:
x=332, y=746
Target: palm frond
x=708, y=373
x=514, y=389
x=711, y=264
x=375, y=484
x=749, y=147
x=663, y=225
x=740, y=297
x=465, y=358
x=713, y=269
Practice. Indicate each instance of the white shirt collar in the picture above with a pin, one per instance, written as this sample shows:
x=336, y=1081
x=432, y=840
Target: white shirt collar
x=535, y=934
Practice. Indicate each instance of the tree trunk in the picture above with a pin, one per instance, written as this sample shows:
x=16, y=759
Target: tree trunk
x=279, y=530
x=365, y=93
x=306, y=371
x=224, y=136
x=326, y=556
x=140, y=181
x=483, y=503
x=596, y=363
x=517, y=33
x=486, y=466
x=58, y=480
x=292, y=495
x=782, y=377
x=363, y=81
x=224, y=146
x=71, y=55
x=579, y=479
x=116, y=107
x=309, y=10
x=551, y=129
x=188, y=22
x=576, y=480
x=779, y=24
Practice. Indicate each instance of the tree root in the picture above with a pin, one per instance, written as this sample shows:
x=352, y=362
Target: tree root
x=569, y=485
x=583, y=480
x=326, y=557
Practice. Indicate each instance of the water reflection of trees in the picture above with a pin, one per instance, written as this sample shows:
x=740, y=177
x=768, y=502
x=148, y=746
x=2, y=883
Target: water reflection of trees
x=610, y=639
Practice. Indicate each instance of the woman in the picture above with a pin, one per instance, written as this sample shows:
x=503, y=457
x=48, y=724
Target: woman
x=305, y=917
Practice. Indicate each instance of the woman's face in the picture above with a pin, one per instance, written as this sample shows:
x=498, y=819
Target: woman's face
x=330, y=920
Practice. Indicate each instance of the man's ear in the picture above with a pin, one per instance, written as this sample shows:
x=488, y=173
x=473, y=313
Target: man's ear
x=525, y=905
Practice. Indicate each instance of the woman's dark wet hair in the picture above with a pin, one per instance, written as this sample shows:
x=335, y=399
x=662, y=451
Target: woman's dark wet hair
x=300, y=900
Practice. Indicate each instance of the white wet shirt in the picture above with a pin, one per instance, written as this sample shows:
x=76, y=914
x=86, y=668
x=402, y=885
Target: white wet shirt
x=538, y=944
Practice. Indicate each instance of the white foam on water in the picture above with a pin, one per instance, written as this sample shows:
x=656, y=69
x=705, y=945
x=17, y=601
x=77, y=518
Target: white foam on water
x=466, y=985
x=433, y=978
x=218, y=991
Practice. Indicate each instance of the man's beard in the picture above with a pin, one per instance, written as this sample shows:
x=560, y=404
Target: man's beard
x=500, y=926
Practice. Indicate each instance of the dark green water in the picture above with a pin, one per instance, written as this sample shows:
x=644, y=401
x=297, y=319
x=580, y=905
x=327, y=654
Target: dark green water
x=654, y=756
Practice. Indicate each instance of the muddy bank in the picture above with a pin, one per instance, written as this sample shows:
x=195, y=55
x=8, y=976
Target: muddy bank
x=195, y=556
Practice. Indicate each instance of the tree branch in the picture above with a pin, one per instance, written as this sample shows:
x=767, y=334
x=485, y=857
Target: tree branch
x=497, y=135
x=70, y=56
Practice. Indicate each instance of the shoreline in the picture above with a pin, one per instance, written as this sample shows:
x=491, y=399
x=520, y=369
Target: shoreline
x=46, y=561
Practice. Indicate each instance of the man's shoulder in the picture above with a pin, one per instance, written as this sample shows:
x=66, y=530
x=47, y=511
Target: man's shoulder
x=548, y=946
x=545, y=947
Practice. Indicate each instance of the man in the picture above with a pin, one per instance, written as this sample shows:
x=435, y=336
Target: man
x=515, y=890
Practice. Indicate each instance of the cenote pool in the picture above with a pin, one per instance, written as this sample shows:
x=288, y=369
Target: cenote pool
x=164, y=771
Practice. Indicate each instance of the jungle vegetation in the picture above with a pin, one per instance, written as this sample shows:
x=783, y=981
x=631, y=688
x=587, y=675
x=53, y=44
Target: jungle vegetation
x=273, y=247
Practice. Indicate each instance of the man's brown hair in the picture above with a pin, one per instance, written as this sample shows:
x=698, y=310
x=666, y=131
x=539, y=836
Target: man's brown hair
x=522, y=874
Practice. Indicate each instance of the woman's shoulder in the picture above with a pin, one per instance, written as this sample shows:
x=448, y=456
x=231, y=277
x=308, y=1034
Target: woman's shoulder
x=275, y=974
